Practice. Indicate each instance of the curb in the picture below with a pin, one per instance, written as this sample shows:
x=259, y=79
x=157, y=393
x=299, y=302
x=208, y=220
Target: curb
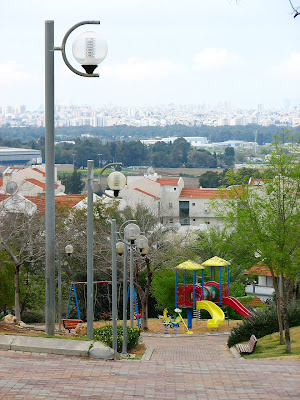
x=55, y=346
x=172, y=335
x=147, y=355
x=235, y=353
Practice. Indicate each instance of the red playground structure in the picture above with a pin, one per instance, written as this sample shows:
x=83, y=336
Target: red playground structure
x=208, y=294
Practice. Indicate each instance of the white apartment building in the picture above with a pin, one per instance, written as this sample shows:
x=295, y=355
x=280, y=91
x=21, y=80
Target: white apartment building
x=171, y=202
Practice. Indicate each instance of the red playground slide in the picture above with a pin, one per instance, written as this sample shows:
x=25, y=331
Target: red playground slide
x=236, y=305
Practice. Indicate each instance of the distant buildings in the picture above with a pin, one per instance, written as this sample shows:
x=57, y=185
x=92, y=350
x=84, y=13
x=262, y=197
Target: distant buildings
x=13, y=156
x=188, y=115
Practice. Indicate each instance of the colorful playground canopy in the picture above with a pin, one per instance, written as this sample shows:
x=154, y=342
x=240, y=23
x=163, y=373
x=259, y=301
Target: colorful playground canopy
x=189, y=265
x=215, y=262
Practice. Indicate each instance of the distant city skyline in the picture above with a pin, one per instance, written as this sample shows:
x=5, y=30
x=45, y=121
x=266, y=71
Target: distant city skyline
x=159, y=52
x=173, y=114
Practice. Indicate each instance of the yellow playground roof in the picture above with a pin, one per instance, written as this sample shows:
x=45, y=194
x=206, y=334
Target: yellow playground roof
x=189, y=265
x=215, y=262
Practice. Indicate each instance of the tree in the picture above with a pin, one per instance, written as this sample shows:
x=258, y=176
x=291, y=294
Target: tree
x=209, y=179
x=229, y=156
x=268, y=218
x=73, y=183
x=22, y=239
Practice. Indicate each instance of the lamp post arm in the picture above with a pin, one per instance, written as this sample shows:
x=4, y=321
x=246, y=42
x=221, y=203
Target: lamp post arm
x=101, y=172
x=63, y=49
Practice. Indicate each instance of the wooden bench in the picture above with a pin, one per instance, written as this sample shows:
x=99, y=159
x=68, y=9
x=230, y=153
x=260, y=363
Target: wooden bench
x=71, y=323
x=247, y=348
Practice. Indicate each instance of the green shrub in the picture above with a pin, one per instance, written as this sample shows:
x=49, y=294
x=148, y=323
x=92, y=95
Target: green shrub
x=30, y=317
x=105, y=335
x=231, y=313
x=262, y=323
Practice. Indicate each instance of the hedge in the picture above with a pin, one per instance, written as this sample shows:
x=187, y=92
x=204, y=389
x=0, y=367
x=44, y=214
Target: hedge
x=105, y=335
x=262, y=323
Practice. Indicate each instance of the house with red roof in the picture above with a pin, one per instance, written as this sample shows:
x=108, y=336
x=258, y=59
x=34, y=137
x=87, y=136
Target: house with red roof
x=31, y=181
x=261, y=284
x=30, y=205
x=168, y=199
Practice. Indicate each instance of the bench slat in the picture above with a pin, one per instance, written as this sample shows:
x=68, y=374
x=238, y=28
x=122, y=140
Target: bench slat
x=247, y=348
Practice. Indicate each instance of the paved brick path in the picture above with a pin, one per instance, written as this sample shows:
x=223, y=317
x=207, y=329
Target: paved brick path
x=189, y=348
x=210, y=373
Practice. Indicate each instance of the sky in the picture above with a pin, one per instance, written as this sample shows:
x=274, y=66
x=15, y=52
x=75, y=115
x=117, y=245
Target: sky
x=159, y=52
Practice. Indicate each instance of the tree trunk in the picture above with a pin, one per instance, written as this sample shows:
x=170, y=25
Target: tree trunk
x=288, y=348
x=17, y=293
x=281, y=340
x=278, y=301
x=144, y=319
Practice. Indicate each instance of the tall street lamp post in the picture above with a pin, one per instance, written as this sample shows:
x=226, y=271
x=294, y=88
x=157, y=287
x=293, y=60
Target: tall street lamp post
x=89, y=49
x=116, y=181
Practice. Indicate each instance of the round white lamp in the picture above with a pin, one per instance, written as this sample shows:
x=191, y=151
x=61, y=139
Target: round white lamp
x=89, y=49
x=69, y=249
x=116, y=181
x=131, y=232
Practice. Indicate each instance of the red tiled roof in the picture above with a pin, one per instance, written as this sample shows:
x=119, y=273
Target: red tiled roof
x=197, y=193
x=168, y=181
x=36, y=182
x=38, y=170
x=39, y=183
x=259, y=270
x=1, y=182
x=147, y=194
x=67, y=201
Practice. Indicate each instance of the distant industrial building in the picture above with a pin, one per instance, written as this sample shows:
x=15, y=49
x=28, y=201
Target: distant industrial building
x=195, y=141
x=13, y=156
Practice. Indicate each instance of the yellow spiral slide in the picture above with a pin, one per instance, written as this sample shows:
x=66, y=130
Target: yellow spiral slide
x=217, y=314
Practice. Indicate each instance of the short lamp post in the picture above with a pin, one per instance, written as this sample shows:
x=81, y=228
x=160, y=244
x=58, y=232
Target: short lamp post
x=89, y=49
x=99, y=155
x=131, y=231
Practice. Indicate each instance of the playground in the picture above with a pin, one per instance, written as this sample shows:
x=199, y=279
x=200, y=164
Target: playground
x=202, y=297
x=199, y=327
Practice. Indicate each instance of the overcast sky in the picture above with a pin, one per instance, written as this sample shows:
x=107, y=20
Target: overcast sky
x=159, y=51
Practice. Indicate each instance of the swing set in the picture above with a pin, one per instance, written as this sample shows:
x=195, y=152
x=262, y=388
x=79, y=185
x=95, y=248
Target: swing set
x=72, y=323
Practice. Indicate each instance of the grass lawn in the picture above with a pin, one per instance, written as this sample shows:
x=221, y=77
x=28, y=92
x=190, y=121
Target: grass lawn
x=268, y=347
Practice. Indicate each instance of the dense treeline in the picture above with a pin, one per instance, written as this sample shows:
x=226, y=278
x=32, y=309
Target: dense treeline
x=215, y=134
x=135, y=153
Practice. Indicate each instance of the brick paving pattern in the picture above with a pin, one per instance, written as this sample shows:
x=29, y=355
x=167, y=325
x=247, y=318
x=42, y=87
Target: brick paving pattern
x=180, y=368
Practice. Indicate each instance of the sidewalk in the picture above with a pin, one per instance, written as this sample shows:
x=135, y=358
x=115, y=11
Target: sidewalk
x=180, y=368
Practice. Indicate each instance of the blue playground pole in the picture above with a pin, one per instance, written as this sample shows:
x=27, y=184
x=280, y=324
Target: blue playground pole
x=176, y=289
x=194, y=279
x=189, y=318
x=211, y=273
x=185, y=287
x=220, y=286
x=70, y=295
x=202, y=284
x=228, y=281
x=76, y=300
x=136, y=307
